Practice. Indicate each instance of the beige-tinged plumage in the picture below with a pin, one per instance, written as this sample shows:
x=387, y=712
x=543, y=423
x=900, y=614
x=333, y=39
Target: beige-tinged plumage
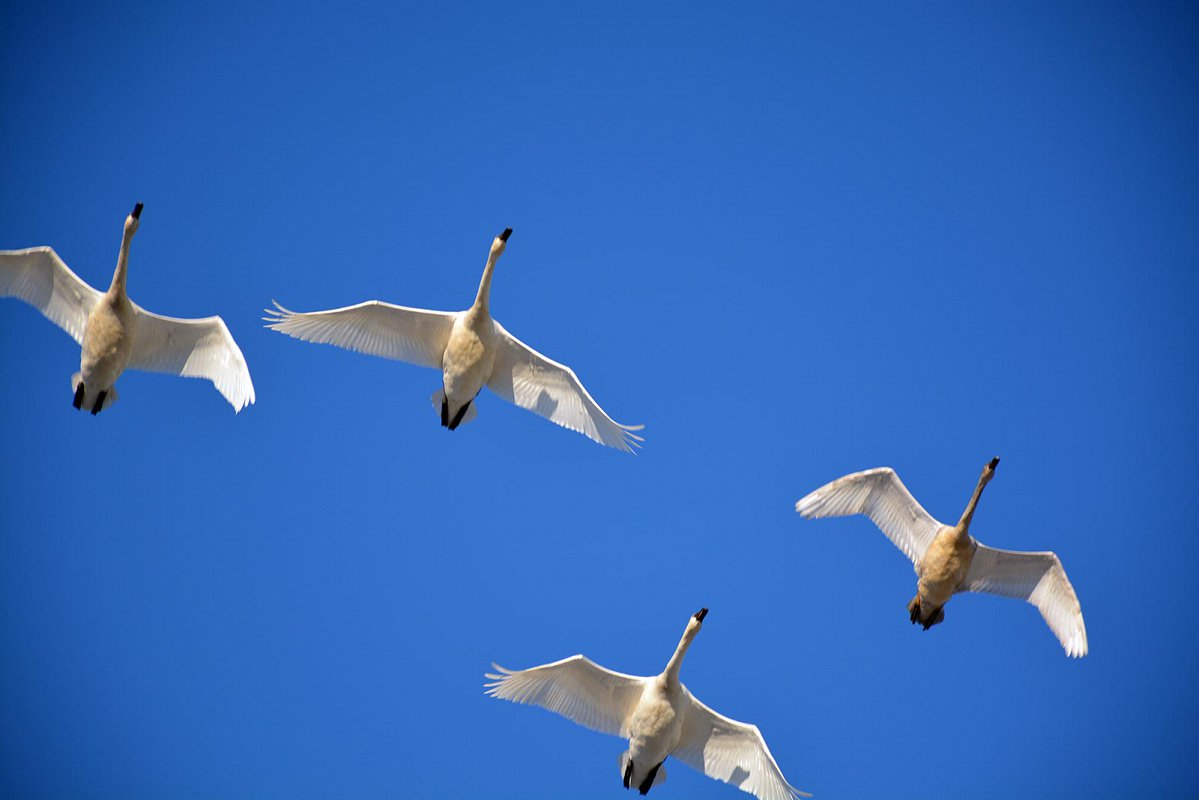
x=947, y=558
x=471, y=349
x=116, y=333
x=659, y=717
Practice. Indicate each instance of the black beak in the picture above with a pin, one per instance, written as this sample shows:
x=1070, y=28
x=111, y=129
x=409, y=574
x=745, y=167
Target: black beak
x=137, y=211
x=699, y=615
x=994, y=462
x=504, y=236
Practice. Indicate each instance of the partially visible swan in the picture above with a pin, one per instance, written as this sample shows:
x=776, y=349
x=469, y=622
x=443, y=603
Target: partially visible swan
x=657, y=715
x=948, y=559
x=118, y=334
x=471, y=349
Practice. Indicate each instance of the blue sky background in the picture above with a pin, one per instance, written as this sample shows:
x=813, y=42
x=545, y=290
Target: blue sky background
x=795, y=242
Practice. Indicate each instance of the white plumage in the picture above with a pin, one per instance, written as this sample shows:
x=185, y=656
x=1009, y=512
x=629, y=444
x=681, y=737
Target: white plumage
x=949, y=560
x=659, y=717
x=471, y=349
x=117, y=334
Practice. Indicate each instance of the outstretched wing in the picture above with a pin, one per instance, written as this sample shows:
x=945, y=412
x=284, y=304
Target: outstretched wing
x=193, y=348
x=1038, y=578
x=880, y=495
x=530, y=380
x=575, y=687
x=414, y=335
x=733, y=752
x=39, y=277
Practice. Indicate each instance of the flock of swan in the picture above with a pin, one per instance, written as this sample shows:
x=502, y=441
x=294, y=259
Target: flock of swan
x=658, y=715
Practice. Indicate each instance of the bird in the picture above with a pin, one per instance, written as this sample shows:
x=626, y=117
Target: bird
x=658, y=715
x=117, y=334
x=947, y=558
x=471, y=349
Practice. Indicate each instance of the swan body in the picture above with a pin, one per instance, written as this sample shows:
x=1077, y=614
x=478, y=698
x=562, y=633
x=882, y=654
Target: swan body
x=471, y=349
x=116, y=333
x=658, y=716
x=948, y=560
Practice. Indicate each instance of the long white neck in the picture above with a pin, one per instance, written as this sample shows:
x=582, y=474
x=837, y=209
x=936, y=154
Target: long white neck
x=676, y=661
x=483, y=298
x=968, y=514
x=118, y=277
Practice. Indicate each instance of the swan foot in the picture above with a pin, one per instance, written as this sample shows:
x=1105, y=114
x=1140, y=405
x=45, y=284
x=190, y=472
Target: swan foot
x=99, y=404
x=457, y=420
x=628, y=773
x=78, y=401
x=914, y=609
x=648, y=783
x=445, y=412
x=937, y=618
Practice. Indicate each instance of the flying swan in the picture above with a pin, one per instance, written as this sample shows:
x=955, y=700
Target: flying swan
x=657, y=715
x=117, y=334
x=471, y=349
x=948, y=559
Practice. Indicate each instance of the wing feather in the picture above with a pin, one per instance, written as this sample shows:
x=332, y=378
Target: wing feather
x=1038, y=578
x=733, y=752
x=192, y=348
x=414, y=335
x=39, y=277
x=881, y=496
x=576, y=688
x=541, y=385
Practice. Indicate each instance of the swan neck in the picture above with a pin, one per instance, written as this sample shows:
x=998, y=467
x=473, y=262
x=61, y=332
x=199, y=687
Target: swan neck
x=968, y=514
x=118, y=277
x=483, y=298
x=676, y=661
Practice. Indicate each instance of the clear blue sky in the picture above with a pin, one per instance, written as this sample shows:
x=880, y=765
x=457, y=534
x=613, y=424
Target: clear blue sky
x=793, y=241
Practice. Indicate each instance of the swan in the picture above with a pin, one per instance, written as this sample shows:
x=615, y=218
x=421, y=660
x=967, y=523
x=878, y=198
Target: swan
x=471, y=349
x=948, y=559
x=117, y=334
x=658, y=715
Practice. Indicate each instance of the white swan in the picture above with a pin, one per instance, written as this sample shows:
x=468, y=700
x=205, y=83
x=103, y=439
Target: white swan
x=948, y=559
x=471, y=349
x=657, y=715
x=117, y=334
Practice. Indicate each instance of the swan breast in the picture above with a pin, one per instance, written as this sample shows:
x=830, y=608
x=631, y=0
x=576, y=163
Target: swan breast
x=469, y=356
x=945, y=565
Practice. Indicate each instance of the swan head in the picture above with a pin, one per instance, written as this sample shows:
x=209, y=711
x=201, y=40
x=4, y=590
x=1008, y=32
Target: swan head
x=501, y=241
x=989, y=469
x=133, y=220
x=697, y=621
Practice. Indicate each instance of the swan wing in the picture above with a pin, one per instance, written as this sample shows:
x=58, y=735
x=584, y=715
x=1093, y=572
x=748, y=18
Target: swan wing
x=1038, y=578
x=192, y=348
x=530, y=380
x=414, y=335
x=880, y=495
x=733, y=752
x=39, y=277
x=575, y=687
